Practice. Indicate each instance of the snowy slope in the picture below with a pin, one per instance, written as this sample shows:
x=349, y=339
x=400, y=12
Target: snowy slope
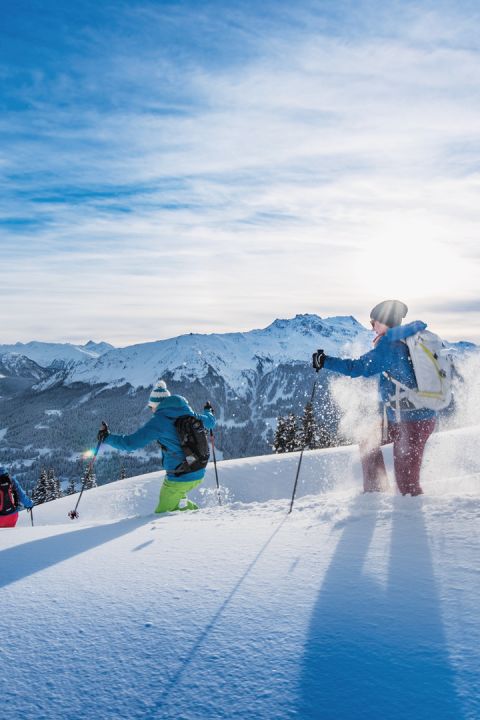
x=355, y=606
x=231, y=355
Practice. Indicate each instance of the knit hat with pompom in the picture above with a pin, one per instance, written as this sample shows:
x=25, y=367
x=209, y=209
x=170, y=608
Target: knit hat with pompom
x=159, y=391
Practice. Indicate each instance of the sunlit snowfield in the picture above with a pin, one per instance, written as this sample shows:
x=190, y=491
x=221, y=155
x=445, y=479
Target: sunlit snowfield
x=354, y=606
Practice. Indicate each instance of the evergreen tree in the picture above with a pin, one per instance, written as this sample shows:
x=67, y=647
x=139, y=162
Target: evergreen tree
x=89, y=478
x=50, y=487
x=53, y=491
x=325, y=439
x=279, y=445
x=70, y=489
x=123, y=472
x=309, y=432
x=291, y=433
x=39, y=494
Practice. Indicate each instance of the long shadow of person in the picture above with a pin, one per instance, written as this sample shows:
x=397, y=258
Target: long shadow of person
x=31, y=557
x=418, y=673
x=375, y=650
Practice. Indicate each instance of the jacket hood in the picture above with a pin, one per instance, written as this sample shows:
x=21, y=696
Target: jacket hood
x=401, y=332
x=173, y=402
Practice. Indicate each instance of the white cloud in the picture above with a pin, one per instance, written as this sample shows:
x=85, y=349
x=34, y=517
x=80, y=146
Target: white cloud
x=321, y=176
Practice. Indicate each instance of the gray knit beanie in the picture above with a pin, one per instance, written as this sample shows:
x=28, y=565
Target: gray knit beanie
x=389, y=312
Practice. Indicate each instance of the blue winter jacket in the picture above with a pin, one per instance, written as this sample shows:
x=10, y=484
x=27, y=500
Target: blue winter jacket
x=22, y=496
x=161, y=428
x=392, y=356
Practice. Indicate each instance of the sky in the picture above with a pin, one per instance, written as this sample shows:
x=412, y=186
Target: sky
x=173, y=167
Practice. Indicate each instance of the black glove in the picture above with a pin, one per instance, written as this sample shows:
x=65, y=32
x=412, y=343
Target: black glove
x=103, y=433
x=318, y=359
x=208, y=406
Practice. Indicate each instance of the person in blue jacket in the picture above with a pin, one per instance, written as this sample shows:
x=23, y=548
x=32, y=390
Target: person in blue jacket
x=407, y=427
x=11, y=493
x=166, y=408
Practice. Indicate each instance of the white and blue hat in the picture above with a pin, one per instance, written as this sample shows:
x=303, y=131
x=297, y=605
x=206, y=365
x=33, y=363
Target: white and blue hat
x=159, y=392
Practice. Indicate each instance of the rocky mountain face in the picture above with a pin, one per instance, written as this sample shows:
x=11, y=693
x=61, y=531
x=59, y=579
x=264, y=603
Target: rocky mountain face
x=13, y=365
x=18, y=373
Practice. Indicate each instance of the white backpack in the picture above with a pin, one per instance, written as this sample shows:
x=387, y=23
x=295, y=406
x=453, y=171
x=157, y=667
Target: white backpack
x=432, y=364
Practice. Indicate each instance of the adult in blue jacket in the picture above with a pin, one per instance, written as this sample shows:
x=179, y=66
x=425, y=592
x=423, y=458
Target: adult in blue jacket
x=11, y=493
x=166, y=408
x=407, y=427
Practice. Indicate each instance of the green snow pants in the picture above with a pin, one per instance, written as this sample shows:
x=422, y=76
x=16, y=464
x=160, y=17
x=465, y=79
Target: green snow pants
x=172, y=492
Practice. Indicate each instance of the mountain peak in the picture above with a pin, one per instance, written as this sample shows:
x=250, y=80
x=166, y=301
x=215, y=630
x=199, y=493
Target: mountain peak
x=98, y=347
x=304, y=320
x=311, y=323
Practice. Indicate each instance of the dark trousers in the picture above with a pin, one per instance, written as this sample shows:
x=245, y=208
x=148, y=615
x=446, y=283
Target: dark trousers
x=409, y=439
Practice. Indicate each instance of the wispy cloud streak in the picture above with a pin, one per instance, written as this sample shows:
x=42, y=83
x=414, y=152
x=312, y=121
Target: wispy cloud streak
x=276, y=164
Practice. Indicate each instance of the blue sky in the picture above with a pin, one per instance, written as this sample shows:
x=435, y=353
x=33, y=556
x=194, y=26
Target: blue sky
x=169, y=167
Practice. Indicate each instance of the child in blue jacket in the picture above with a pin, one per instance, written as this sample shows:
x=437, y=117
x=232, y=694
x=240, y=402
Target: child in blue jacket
x=11, y=493
x=408, y=428
x=166, y=408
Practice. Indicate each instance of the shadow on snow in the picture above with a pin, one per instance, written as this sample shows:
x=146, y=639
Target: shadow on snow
x=375, y=652
x=31, y=557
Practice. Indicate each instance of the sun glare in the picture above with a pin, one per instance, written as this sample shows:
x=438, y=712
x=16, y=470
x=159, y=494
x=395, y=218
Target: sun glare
x=408, y=262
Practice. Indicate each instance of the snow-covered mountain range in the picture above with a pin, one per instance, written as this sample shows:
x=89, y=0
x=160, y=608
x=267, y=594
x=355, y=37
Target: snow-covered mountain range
x=46, y=354
x=237, y=357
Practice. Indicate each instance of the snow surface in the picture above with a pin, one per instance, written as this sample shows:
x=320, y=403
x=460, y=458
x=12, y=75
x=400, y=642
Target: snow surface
x=354, y=606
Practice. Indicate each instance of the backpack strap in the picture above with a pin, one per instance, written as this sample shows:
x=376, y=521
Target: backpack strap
x=384, y=425
x=402, y=395
x=401, y=391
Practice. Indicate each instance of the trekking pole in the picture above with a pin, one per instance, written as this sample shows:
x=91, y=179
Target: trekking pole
x=212, y=441
x=30, y=510
x=301, y=454
x=73, y=514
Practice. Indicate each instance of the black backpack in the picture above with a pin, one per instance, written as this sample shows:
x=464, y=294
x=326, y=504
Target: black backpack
x=8, y=496
x=193, y=439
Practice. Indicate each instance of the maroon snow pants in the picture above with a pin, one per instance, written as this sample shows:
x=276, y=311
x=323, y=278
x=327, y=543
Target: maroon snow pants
x=408, y=440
